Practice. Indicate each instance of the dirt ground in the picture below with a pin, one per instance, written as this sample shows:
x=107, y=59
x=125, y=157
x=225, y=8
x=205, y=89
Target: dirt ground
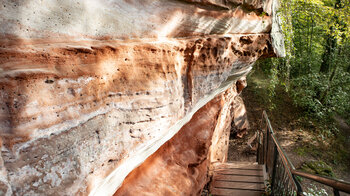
x=300, y=138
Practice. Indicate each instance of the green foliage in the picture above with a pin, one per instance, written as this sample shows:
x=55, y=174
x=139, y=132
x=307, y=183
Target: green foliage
x=268, y=190
x=301, y=151
x=299, y=179
x=314, y=191
x=318, y=167
x=321, y=98
x=307, y=93
x=317, y=37
x=263, y=14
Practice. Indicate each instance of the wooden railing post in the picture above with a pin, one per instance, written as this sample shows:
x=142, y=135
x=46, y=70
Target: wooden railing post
x=259, y=152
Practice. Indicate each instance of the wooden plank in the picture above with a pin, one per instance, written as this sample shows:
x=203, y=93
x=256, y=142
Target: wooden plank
x=242, y=165
x=236, y=163
x=239, y=172
x=234, y=192
x=242, y=168
x=235, y=178
x=239, y=185
x=220, y=169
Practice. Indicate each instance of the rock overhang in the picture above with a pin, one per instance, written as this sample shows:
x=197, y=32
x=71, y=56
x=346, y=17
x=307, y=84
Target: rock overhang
x=109, y=80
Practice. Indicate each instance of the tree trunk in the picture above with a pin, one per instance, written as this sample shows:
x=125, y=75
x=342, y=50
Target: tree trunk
x=327, y=56
x=331, y=45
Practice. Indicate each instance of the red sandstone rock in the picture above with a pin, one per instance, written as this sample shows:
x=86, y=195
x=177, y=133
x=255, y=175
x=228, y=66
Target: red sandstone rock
x=240, y=123
x=91, y=89
x=179, y=167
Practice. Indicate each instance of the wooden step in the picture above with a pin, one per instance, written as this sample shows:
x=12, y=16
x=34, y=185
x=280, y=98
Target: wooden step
x=258, y=186
x=239, y=172
x=233, y=192
x=237, y=178
x=247, y=165
x=232, y=178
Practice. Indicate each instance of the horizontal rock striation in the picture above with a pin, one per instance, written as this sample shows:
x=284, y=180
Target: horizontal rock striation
x=179, y=167
x=90, y=90
x=105, y=20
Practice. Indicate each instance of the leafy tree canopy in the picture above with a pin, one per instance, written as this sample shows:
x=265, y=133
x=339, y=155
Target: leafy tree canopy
x=316, y=70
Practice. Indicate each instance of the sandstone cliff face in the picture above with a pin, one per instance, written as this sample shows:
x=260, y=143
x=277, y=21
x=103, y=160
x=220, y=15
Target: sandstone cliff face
x=179, y=167
x=92, y=91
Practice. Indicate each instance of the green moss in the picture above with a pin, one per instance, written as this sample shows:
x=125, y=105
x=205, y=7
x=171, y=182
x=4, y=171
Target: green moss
x=318, y=168
x=301, y=151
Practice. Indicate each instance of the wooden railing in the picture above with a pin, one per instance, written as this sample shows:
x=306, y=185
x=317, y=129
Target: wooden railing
x=280, y=169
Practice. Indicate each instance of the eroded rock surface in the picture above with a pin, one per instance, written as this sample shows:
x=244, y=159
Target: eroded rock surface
x=91, y=89
x=179, y=166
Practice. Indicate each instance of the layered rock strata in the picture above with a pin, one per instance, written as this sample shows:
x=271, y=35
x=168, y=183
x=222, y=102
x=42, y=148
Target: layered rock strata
x=179, y=167
x=91, y=90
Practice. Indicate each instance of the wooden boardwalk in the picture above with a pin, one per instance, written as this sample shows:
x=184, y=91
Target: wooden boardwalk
x=238, y=178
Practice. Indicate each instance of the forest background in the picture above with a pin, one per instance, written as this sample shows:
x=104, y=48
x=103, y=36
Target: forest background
x=307, y=93
x=316, y=70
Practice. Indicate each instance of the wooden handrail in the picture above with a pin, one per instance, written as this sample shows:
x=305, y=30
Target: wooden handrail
x=280, y=149
x=337, y=185
x=334, y=183
x=285, y=160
